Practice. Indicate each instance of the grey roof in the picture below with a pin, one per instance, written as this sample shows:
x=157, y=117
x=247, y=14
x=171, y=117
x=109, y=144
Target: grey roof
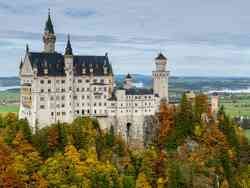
x=139, y=91
x=54, y=62
x=160, y=57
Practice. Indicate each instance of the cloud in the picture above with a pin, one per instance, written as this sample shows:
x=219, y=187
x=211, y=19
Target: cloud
x=79, y=13
x=192, y=33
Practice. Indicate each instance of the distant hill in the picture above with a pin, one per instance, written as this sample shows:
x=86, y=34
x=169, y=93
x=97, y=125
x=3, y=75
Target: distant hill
x=9, y=81
x=175, y=83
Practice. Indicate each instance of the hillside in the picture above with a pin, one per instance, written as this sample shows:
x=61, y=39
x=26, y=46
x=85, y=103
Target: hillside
x=183, y=150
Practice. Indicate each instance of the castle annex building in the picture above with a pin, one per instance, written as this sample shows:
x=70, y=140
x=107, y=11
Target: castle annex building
x=59, y=87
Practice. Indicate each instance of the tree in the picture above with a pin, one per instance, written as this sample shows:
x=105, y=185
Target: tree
x=184, y=119
x=25, y=129
x=166, y=120
x=201, y=106
x=176, y=179
x=142, y=181
x=128, y=181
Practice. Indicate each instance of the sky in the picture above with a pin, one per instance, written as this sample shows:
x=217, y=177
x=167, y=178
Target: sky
x=199, y=37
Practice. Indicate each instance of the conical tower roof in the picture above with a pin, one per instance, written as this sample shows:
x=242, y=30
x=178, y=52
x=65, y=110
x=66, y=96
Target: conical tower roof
x=49, y=26
x=68, y=49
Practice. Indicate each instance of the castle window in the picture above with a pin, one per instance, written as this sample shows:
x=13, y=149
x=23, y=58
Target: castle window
x=83, y=97
x=49, y=81
x=77, y=111
x=49, y=90
x=63, y=90
x=70, y=88
x=82, y=112
x=100, y=104
x=75, y=97
x=105, y=104
x=42, y=90
x=63, y=113
x=41, y=81
x=79, y=81
x=105, y=89
x=77, y=89
x=95, y=80
x=52, y=113
x=95, y=111
x=51, y=98
x=58, y=113
x=42, y=107
x=63, y=105
x=41, y=98
x=94, y=104
x=87, y=81
x=63, y=81
x=83, y=89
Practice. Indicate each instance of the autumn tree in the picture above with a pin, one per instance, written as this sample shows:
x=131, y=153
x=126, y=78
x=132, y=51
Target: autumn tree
x=166, y=121
x=201, y=106
x=142, y=181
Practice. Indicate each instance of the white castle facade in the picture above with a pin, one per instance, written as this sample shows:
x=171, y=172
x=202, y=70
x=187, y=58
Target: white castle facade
x=59, y=87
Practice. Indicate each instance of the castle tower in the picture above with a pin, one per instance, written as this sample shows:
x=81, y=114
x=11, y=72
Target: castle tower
x=160, y=77
x=69, y=68
x=49, y=37
x=214, y=103
x=128, y=82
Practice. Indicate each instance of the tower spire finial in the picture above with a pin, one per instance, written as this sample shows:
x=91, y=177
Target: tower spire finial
x=27, y=48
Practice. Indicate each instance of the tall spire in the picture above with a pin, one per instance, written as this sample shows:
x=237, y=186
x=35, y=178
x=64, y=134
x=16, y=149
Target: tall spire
x=68, y=49
x=49, y=26
x=49, y=37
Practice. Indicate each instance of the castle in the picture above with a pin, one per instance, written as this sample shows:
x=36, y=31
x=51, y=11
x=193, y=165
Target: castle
x=59, y=87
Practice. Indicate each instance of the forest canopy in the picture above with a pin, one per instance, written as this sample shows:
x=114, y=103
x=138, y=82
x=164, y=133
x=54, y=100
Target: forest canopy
x=189, y=147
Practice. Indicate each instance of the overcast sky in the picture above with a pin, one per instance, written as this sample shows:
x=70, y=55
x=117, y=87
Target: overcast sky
x=199, y=37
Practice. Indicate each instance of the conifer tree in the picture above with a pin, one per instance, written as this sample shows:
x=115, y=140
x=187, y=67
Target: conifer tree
x=185, y=118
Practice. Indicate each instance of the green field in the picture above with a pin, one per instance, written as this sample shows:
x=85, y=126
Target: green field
x=9, y=96
x=236, y=105
x=9, y=108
